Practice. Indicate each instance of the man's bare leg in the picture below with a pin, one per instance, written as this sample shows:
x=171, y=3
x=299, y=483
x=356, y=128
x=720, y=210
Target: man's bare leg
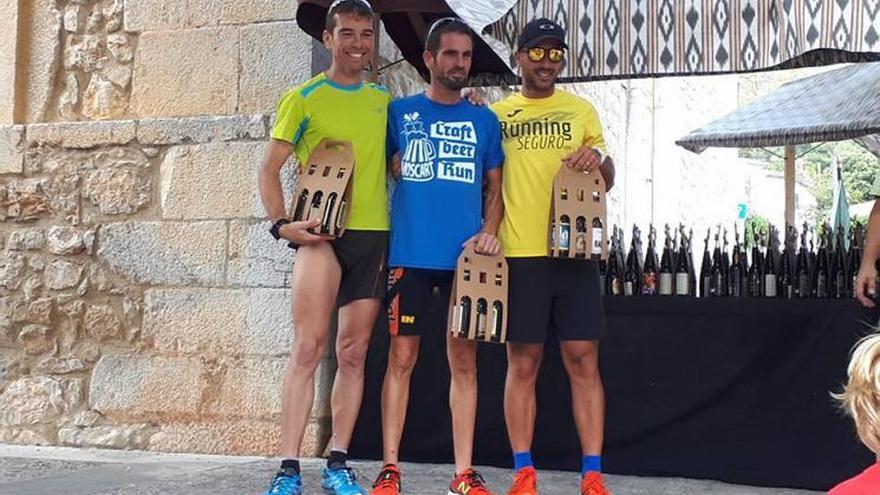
x=581, y=360
x=520, y=407
x=315, y=283
x=356, y=320
x=462, y=356
x=402, y=357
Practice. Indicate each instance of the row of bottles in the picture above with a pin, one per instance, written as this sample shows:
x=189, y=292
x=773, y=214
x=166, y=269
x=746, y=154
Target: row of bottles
x=560, y=235
x=462, y=314
x=331, y=217
x=791, y=269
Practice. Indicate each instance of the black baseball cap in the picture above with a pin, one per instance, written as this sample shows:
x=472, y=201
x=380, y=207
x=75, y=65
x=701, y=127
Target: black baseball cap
x=539, y=30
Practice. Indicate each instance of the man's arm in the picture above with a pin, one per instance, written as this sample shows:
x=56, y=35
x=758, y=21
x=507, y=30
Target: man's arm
x=866, y=279
x=277, y=153
x=493, y=210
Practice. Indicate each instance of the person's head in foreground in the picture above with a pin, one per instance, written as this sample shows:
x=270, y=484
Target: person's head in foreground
x=861, y=401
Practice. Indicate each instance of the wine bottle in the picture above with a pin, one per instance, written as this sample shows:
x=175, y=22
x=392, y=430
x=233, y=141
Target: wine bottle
x=632, y=277
x=580, y=238
x=770, y=255
x=598, y=232
x=717, y=273
x=785, y=277
x=838, y=284
x=666, y=277
x=649, y=269
x=682, y=271
x=756, y=271
x=725, y=263
x=803, y=275
x=737, y=270
x=614, y=277
x=854, y=259
x=822, y=273
x=706, y=268
x=564, y=236
x=692, y=271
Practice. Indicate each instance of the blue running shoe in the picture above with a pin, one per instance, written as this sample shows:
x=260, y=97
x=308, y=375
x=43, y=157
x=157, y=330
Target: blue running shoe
x=286, y=483
x=341, y=481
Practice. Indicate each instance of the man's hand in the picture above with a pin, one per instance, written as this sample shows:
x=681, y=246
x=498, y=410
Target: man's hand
x=475, y=97
x=585, y=159
x=394, y=166
x=486, y=243
x=297, y=232
x=866, y=282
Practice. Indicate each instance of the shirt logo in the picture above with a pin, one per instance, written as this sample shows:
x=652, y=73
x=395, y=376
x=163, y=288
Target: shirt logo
x=417, y=161
x=452, y=146
x=513, y=113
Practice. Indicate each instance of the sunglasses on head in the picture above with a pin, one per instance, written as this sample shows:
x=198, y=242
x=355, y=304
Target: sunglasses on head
x=439, y=23
x=537, y=54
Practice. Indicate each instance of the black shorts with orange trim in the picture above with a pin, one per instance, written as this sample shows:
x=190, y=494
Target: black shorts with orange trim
x=417, y=298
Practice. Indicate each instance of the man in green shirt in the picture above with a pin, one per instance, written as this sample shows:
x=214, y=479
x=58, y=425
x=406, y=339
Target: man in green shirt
x=348, y=273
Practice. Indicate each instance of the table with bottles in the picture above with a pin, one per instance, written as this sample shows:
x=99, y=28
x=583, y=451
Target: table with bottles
x=761, y=265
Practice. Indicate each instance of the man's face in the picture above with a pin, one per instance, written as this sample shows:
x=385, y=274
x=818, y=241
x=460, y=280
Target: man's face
x=540, y=75
x=452, y=64
x=351, y=42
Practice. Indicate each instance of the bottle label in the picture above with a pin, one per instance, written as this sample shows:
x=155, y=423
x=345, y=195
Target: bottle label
x=682, y=284
x=597, y=240
x=563, y=236
x=628, y=288
x=770, y=285
x=649, y=283
x=665, y=284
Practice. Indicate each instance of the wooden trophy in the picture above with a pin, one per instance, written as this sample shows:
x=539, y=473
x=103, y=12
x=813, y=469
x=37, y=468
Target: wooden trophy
x=578, y=215
x=478, y=310
x=324, y=188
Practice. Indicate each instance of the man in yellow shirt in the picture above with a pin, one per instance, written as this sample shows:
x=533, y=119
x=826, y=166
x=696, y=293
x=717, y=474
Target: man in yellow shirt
x=544, y=128
x=347, y=273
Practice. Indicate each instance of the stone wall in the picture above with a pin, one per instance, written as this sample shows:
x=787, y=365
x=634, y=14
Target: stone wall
x=142, y=305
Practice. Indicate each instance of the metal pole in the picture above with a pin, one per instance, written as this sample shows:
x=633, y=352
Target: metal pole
x=789, y=185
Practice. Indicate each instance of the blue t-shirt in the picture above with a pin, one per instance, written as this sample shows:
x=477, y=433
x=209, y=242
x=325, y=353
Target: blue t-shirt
x=437, y=202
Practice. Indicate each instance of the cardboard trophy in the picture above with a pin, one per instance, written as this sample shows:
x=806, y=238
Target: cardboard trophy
x=324, y=188
x=578, y=213
x=478, y=310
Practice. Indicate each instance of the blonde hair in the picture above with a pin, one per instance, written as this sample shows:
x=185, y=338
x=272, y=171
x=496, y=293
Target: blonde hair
x=861, y=395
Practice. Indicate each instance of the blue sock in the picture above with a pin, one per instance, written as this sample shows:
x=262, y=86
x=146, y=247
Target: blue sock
x=591, y=463
x=521, y=460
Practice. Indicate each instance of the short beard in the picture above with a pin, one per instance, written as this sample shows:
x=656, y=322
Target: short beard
x=451, y=83
x=533, y=82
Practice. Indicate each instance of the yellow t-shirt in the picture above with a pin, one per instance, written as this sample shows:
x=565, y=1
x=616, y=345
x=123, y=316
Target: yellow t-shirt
x=320, y=109
x=537, y=134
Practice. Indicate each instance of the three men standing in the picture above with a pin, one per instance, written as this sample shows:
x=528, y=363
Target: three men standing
x=443, y=150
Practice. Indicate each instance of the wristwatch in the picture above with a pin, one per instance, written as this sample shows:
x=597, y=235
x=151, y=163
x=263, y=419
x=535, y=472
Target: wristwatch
x=277, y=226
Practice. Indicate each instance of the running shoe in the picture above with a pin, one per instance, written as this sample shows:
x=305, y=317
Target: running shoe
x=388, y=481
x=469, y=482
x=525, y=482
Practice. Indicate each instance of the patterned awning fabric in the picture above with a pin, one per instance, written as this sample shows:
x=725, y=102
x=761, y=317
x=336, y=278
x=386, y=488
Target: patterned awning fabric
x=640, y=38
x=832, y=106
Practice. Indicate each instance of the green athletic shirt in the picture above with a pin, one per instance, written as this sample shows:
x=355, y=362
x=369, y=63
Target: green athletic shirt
x=319, y=109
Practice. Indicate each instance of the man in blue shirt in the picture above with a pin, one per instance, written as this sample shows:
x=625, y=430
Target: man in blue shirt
x=444, y=148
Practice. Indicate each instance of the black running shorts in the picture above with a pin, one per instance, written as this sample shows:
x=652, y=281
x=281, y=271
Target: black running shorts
x=362, y=256
x=562, y=296
x=417, y=297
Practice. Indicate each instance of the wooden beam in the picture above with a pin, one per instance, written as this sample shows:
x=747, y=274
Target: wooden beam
x=374, y=57
x=790, y=158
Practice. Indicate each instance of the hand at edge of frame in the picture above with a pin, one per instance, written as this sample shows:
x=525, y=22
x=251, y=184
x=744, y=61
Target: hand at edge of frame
x=867, y=278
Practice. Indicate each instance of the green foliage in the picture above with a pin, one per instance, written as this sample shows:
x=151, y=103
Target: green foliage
x=755, y=224
x=859, y=169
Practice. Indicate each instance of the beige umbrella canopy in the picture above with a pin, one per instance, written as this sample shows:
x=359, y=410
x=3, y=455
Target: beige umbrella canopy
x=833, y=106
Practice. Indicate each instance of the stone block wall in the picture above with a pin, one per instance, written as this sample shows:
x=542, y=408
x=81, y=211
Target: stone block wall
x=142, y=302
x=115, y=59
